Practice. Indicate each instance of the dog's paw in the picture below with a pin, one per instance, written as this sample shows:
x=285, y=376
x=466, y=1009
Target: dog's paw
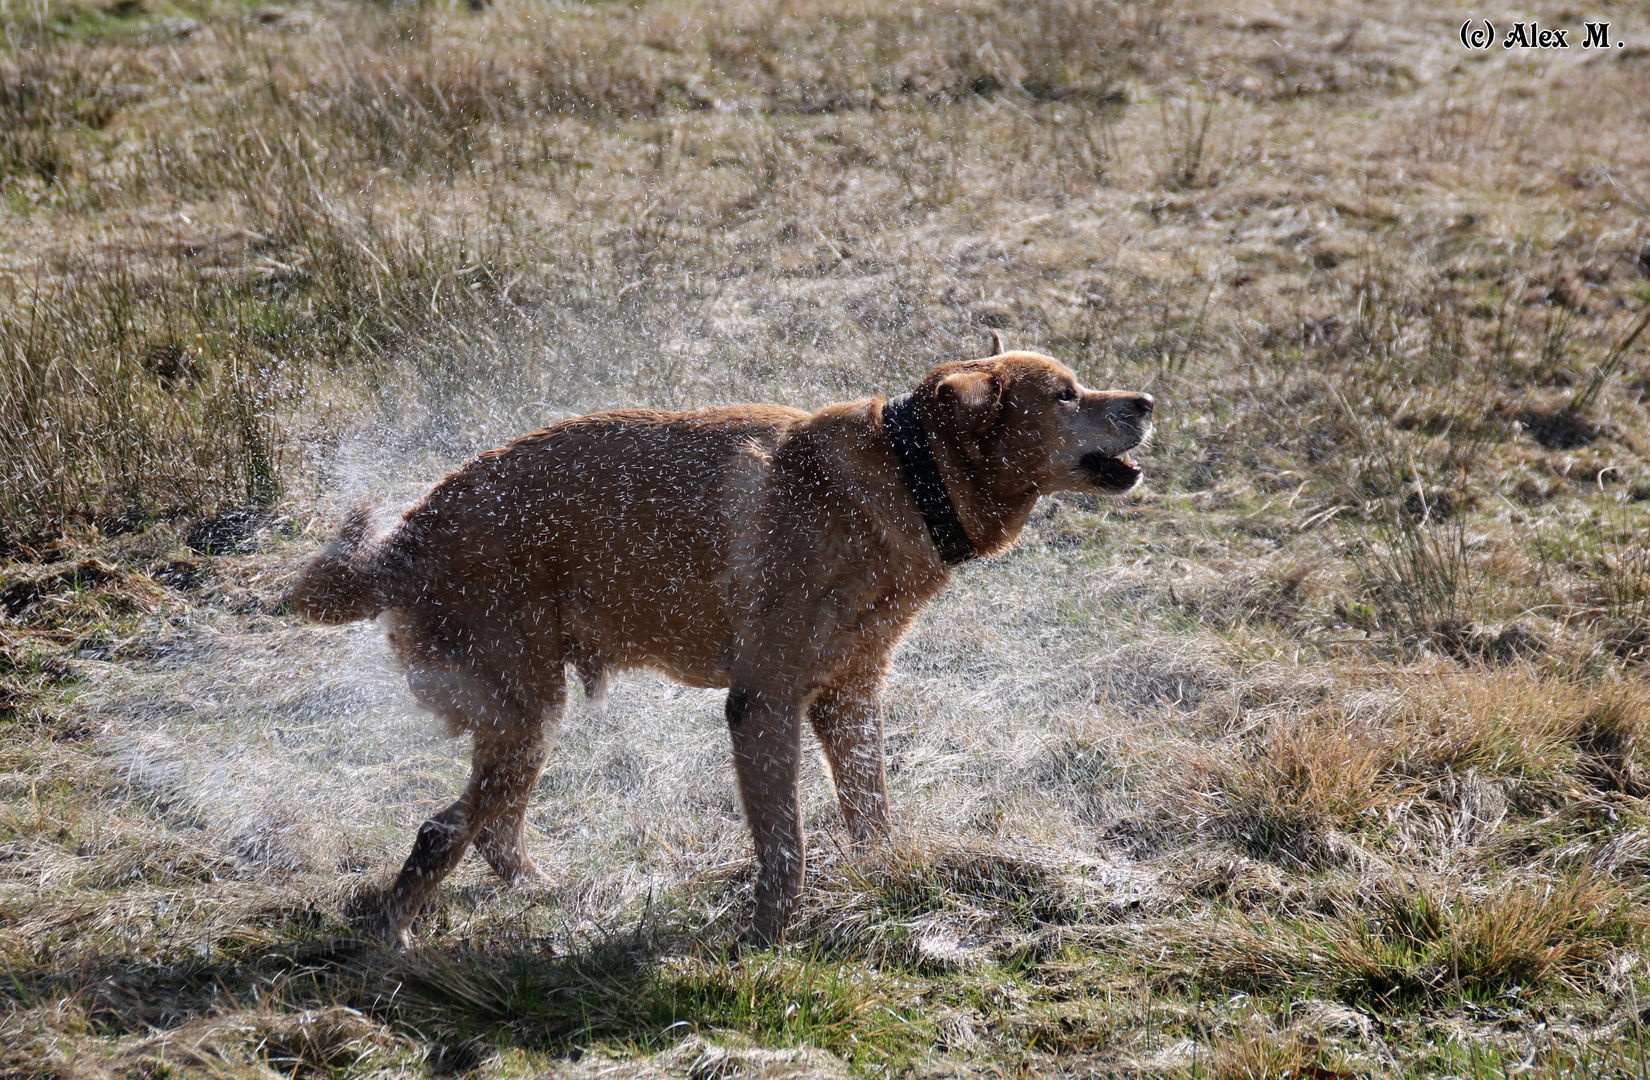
x=758, y=938
x=529, y=877
x=394, y=937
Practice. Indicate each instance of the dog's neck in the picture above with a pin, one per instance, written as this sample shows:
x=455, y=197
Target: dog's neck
x=989, y=506
x=903, y=424
x=994, y=517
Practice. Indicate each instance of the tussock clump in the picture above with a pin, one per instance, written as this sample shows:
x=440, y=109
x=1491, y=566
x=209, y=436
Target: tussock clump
x=1406, y=943
x=1537, y=732
x=127, y=855
x=1437, y=771
x=162, y=451
x=1243, y=882
x=310, y=1041
x=108, y=439
x=1602, y=837
x=332, y=1038
x=24, y=592
x=1420, y=577
x=1084, y=765
x=1612, y=738
x=41, y=1040
x=1256, y=1051
x=48, y=97
x=439, y=110
x=52, y=88
x=1198, y=150
x=1304, y=780
x=1620, y=594
x=85, y=596
x=941, y=907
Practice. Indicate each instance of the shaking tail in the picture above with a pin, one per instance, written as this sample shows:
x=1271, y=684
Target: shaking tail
x=345, y=581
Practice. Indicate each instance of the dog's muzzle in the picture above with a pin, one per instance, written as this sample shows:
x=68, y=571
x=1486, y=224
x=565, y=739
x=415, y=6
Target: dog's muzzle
x=1112, y=470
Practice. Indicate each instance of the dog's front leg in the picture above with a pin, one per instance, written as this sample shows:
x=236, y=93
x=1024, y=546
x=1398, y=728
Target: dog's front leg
x=847, y=718
x=767, y=748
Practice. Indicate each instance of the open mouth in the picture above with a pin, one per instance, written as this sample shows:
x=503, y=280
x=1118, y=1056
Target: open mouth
x=1115, y=474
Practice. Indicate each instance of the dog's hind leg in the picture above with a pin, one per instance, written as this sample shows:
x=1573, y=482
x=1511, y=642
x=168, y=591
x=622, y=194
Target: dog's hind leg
x=511, y=742
x=503, y=840
x=593, y=676
x=847, y=718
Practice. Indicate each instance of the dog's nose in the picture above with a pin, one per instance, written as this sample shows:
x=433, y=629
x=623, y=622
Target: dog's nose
x=1144, y=402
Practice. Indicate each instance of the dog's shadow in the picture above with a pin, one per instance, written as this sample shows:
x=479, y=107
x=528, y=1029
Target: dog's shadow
x=476, y=977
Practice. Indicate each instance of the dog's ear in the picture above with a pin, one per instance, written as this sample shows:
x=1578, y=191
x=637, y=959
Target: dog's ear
x=972, y=398
x=996, y=344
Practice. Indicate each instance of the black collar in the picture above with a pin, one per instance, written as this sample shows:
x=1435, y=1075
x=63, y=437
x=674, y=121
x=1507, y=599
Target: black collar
x=922, y=476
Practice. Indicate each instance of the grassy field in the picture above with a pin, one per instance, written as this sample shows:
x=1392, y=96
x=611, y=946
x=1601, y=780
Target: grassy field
x=1323, y=755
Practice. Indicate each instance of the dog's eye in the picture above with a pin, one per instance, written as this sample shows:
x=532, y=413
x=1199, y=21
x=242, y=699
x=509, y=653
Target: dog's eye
x=1068, y=394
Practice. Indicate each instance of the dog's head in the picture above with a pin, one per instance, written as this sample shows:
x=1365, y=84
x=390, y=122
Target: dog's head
x=1023, y=421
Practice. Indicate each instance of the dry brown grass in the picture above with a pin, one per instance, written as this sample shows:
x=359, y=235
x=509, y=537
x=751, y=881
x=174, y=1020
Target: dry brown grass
x=1433, y=767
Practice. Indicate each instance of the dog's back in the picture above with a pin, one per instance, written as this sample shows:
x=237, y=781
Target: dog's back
x=604, y=541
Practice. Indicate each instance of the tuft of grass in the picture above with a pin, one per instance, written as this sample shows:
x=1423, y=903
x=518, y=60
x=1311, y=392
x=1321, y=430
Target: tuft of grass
x=1198, y=149
x=1421, y=580
x=1256, y=1052
x=53, y=100
x=1411, y=943
x=938, y=907
x=1306, y=780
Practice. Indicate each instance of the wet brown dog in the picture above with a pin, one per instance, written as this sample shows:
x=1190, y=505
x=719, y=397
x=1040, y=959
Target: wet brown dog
x=775, y=552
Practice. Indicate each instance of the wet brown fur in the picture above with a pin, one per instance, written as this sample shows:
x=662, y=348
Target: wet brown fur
x=775, y=552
